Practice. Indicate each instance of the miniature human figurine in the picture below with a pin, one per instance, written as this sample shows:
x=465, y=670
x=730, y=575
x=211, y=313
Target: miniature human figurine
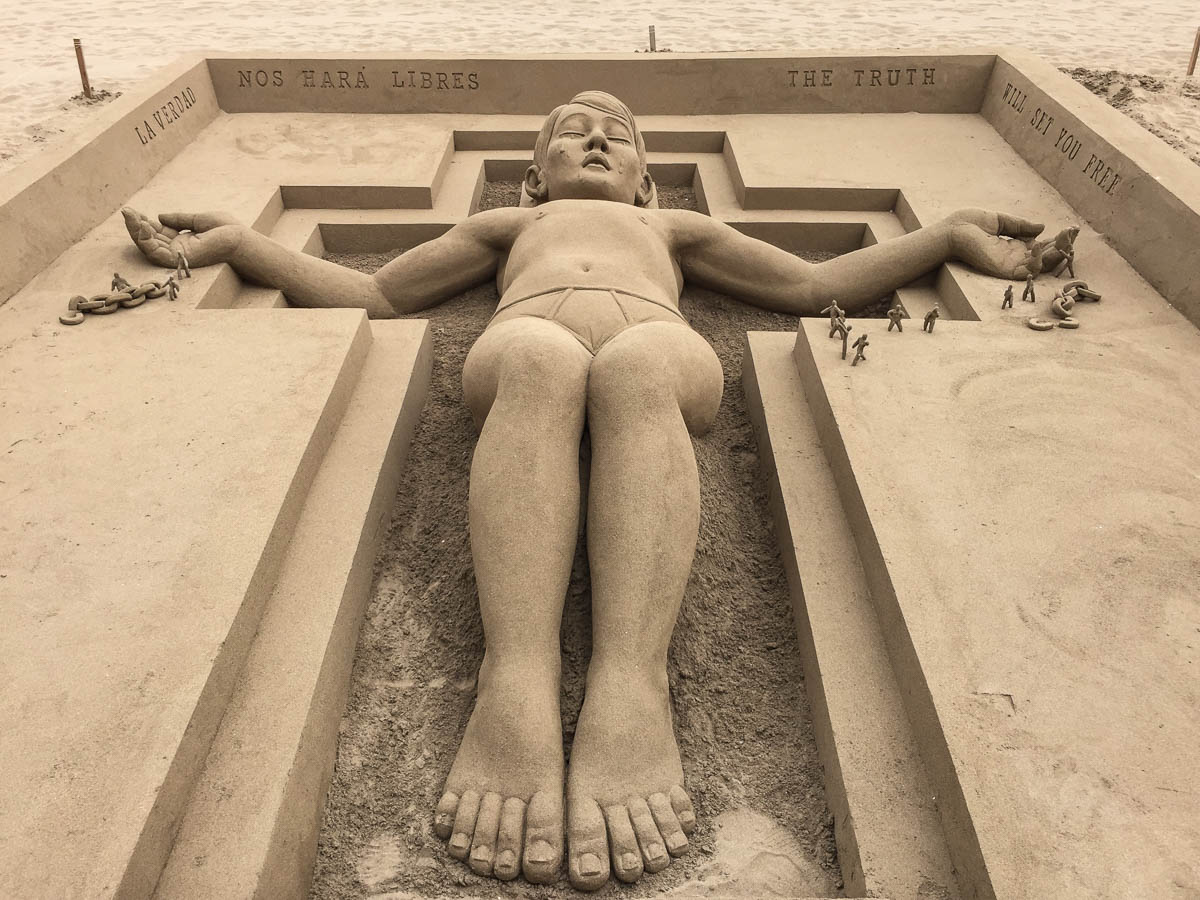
x=859, y=347
x=587, y=331
x=120, y=284
x=1008, y=295
x=895, y=313
x=843, y=328
x=1028, y=293
x=172, y=287
x=182, y=269
x=835, y=313
x=1068, y=263
x=930, y=318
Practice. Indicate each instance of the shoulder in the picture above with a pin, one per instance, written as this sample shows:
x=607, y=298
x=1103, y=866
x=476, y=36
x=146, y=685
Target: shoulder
x=687, y=228
x=496, y=227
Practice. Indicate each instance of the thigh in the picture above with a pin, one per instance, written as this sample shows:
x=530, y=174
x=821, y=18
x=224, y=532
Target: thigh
x=528, y=361
x=656, y=359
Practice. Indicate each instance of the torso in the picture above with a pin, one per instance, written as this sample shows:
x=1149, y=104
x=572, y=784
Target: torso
x=592, y=243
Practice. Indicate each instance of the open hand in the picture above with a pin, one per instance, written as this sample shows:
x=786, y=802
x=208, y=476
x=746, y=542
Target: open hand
x=202, y=238
x=994, y=243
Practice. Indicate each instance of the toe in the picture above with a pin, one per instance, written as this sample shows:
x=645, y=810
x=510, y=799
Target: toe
x=464, y=824
x=668, y=824
x=487, y=824
x=443, y=816
x=682, y=804
x=588, y=864
x=507, y=864
x=543, y=838
x=654, y=852
x=623, y=845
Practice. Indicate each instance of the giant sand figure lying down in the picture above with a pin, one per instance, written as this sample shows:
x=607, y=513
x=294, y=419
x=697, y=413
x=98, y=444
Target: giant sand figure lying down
x=588, y=330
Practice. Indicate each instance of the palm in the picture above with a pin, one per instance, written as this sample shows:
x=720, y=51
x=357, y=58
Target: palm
x=995, y=243
x=203, y=239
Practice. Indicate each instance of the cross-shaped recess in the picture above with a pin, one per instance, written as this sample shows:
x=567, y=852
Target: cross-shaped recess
x=321, y=218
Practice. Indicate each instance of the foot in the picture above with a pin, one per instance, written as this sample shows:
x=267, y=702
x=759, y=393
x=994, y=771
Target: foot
x=502, y=809
x=627, y=811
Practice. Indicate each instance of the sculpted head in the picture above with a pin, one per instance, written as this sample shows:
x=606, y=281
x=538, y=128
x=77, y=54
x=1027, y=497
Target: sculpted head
x=589, y=149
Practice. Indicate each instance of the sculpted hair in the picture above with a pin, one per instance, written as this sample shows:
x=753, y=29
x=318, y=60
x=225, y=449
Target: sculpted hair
x=605, y=103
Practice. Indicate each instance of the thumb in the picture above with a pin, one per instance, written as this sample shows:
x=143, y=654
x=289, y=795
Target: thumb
x=178, y=221
x=1015, y=226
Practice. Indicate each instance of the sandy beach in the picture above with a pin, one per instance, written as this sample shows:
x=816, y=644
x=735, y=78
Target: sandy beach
x=1134, y=55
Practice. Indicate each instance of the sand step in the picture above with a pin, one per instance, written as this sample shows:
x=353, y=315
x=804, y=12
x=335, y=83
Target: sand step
x=888, y=832
x=250, y=828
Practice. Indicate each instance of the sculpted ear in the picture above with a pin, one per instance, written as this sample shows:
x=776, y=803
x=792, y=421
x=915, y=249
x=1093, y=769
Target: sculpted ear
x=534, y=189
x=647, y=193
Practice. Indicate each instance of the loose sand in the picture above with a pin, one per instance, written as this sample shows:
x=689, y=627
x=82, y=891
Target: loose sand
x=741, y=713
x=124, y=43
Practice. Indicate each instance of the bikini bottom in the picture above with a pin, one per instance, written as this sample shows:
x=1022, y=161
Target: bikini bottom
x=594, y=315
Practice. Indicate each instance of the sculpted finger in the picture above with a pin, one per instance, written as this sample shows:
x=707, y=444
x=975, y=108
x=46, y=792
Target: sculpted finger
x=133, y=221
x=152, y=247
x=1015, y=226
x=178, y=221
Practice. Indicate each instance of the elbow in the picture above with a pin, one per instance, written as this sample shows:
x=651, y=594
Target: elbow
x=379, y=305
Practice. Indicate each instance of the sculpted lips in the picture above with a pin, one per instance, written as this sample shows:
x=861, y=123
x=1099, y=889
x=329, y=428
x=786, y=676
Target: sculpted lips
x=595, y=157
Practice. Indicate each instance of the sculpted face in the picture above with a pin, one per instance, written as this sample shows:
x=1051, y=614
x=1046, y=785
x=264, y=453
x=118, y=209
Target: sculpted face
x=589, y=152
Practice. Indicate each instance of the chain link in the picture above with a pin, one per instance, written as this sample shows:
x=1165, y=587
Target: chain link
x=123, y=295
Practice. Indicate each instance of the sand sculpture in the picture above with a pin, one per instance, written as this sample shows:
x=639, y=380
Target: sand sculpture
x=587, y=330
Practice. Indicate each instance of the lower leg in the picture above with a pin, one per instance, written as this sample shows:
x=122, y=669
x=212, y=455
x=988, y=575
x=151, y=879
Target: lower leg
x=625, y=790
x=502, y=806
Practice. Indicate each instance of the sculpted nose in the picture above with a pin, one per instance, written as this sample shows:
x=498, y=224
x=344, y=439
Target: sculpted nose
x=597, y=141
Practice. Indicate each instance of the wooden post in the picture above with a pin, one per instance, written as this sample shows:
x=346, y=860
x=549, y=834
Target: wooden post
x=652, y=41
x=87, y=88
x=1195, y=50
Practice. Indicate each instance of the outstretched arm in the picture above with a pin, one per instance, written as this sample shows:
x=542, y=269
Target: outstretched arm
x=426, y=275
x=715, y=255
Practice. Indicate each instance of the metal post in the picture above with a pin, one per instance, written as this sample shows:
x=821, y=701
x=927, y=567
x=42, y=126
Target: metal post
x=1195, y=51
x=652, y=42
x=87, y=88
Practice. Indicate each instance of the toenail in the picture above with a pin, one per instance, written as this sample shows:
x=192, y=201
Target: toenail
x=540, y=852
x=506, y=859
x=629, y=861
x=589, y=864
x=655, y=850
x=481, y=854
x=460, y=841
x=675, y=842
x=687, y=818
